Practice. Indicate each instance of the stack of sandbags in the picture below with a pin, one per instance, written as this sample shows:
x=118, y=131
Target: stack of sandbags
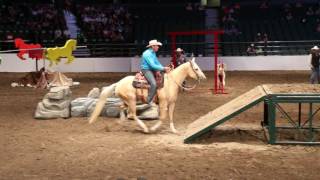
x=148, y=112
x=55, y=104
x=83, y=107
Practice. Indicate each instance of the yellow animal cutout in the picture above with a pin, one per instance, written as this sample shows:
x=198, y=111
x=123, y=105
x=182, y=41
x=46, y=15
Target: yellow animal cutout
x=54, y=54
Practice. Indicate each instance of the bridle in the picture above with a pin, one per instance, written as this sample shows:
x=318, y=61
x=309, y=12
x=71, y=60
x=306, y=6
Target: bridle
x=198, y=78
x=188, y=88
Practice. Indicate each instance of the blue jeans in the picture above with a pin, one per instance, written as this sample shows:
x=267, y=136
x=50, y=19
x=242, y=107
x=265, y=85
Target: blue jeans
x=153, y=85
x=315, y=75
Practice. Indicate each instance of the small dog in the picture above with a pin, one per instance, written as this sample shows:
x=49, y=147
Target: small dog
x=221, y=76
x=31, y=79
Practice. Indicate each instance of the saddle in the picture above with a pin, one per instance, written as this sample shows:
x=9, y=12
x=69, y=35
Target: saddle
x=142, y=85
x=140, y=82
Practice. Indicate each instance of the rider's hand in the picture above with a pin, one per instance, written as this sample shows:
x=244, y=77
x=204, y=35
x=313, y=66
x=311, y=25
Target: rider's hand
x=166, y=69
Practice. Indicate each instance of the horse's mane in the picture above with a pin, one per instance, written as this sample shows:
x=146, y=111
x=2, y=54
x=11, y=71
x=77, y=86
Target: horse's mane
x=179, y=68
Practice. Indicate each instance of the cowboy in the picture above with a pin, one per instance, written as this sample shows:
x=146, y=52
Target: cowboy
x=180, y=58
x=314, y=65
x=150, y=64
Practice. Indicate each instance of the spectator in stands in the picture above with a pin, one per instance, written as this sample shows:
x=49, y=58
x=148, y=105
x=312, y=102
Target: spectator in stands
x=265, y=43
x=298, y=4
x=95, y=19
x=9, y=36
x=189, y=7
x=287, y=7
x=264, y=5
x=289, y=16
x=318, y=28
x=299, y=9
x=150, y=64
x=265, y=37
x=233, y=30
x=317, y=12
x=57, y=34
x=314, y=65
x=199, y=7
x=310, y=12
x=237, y=6
x=251, y=50
x=66, y=34
x=259, y=38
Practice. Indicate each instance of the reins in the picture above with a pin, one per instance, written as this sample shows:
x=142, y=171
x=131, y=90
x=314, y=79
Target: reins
x=187, y=88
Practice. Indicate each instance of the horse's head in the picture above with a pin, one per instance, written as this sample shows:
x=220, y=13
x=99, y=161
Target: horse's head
x=194, y=71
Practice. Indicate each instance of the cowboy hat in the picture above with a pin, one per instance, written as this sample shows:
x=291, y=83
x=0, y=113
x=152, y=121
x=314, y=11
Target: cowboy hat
x=179, y=50
x=154, y=42
x=315, y=48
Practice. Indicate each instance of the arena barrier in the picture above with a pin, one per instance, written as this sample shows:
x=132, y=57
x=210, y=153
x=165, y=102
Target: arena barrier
x=306, y=131
x=11, y=63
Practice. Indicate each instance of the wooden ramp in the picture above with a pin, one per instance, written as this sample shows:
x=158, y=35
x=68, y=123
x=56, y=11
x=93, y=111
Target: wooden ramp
x=224, y=113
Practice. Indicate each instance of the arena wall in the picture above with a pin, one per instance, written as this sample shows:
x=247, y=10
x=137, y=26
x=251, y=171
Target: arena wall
x=10, y=63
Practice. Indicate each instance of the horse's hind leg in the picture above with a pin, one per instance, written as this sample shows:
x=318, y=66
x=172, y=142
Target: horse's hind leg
x=122, y=114
x=132, y=109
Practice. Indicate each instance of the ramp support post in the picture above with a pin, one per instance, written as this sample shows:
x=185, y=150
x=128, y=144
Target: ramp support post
x=307, y=129
x=271, y=121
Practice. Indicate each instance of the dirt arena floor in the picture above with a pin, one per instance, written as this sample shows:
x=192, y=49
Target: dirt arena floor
x=73, y=149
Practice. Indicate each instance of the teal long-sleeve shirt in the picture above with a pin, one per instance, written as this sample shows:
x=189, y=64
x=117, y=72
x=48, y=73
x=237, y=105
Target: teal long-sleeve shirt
x=149, y=61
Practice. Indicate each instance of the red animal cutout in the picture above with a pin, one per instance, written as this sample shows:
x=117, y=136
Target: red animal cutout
x=36, y=53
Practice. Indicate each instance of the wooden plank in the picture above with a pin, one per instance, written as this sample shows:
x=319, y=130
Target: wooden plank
x=297, y=88
x=224, y=113
x=266, y=88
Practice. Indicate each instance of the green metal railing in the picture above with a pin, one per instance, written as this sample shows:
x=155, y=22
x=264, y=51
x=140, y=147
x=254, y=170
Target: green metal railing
x=271, y=120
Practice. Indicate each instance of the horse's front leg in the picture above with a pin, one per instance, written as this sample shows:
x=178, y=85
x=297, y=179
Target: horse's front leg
x=171, y=111
x=163, y=108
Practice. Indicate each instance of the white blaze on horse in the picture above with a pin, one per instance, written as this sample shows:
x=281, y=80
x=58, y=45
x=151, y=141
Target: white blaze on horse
x=167, y=95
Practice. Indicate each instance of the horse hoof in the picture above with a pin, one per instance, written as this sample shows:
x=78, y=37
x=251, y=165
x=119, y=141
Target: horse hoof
x=146, y=131
x=174, y=131
x=153, y=129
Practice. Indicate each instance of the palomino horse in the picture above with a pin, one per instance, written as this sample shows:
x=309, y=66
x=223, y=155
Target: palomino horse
x=167, y=95
x=54, y=54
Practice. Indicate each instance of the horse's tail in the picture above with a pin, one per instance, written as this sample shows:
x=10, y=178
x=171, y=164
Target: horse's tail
x=107, y=92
